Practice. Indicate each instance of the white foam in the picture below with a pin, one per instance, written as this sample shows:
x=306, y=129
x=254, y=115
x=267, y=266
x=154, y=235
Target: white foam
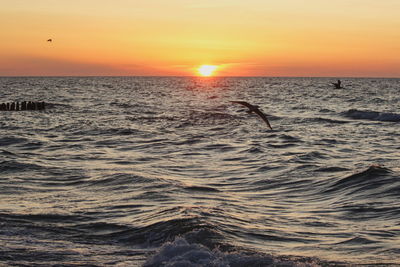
x=181, y=253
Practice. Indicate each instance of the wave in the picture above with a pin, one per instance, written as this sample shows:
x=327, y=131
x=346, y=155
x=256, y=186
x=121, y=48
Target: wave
x=119, y=179
x=374, y=172
x=192, y=118
x=374, y=182
x=208, y=118
x=331, y=169
x=176, y=242
x=180, y=252
x=202, y=189
x=7, y=153
x=158, y=233
x=45, y=217
x=16, y=166
x=372, y=115
x=128, y=182
x=357, y=241
x=152, y=119
x=7, y=141
x=189, y=242
x=324, y=120
x=310, y=156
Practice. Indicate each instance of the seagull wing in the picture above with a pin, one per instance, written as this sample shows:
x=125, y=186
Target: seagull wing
x=255, y=110
x=263, y=117
x=244, y=103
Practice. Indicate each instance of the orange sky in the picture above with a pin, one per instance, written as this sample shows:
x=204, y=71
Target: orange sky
x=245, y=38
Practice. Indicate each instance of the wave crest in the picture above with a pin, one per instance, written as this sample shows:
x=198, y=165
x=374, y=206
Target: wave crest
x=182, y=253
x=376, y=180
x=371, y=115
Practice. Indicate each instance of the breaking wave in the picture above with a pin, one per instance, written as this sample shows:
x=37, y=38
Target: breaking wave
x=182, y=253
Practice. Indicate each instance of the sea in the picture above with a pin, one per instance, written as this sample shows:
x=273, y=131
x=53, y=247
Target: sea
x=166, y=171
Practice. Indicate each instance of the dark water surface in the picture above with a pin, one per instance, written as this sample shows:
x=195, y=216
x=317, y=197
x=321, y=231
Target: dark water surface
x=155, y=171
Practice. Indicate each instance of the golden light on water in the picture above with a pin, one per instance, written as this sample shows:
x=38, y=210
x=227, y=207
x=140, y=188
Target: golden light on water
x=206, y=70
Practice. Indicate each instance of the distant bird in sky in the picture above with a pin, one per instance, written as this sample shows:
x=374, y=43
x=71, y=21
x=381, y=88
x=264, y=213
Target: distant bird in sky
x=254, y=109
x=50, y=40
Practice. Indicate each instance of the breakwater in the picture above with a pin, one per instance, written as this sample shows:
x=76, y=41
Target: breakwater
x=24, y=105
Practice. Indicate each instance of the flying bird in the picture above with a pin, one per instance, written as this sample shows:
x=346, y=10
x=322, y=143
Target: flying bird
x=49, y=40
x=254, y=109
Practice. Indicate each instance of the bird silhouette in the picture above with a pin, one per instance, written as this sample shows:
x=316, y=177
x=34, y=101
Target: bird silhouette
x=338, y=85
x=254, y=109
x=50, y=40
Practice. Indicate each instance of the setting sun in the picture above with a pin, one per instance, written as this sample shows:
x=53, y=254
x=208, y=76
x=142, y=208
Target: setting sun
x=206, y=70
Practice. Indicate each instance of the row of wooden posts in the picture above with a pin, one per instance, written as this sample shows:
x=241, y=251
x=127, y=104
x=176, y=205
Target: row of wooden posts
x=24, y=105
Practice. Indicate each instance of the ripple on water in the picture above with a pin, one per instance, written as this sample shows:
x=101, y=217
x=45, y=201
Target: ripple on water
x=127, y=170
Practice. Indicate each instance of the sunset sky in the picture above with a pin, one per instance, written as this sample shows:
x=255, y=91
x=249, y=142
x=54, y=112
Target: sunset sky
x=243, y=38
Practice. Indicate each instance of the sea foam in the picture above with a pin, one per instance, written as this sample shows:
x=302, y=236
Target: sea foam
x=181, y=253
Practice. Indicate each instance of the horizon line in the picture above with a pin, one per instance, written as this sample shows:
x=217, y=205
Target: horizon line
x=191, y=76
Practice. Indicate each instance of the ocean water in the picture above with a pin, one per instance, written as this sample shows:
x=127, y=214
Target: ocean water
x=165, y=171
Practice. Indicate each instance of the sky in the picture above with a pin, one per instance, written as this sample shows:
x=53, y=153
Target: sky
x=312, y=38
